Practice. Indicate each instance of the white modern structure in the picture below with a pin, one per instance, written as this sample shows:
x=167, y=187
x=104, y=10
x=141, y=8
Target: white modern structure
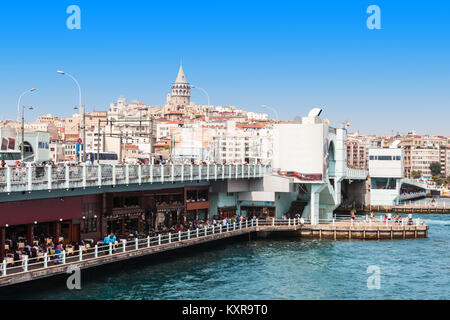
x=37, y=146
x=385, y=171
x=311, y=153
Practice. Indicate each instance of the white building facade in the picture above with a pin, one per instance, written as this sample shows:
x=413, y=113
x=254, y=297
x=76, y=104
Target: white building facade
x=385, y=171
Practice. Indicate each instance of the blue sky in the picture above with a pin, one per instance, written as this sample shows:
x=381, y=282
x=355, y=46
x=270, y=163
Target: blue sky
x=292, y=55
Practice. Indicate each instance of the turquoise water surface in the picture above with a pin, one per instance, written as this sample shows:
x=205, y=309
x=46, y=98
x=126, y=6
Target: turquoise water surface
x=274, y=269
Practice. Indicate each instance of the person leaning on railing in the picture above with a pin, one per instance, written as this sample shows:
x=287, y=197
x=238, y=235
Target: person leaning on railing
x=106, y=240
x=57, y=254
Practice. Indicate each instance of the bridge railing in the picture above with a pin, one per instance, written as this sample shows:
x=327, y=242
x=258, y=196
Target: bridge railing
x=412, y=195
x=416, y=183
x=70, y=255
x=20, y=179
x=356, y=174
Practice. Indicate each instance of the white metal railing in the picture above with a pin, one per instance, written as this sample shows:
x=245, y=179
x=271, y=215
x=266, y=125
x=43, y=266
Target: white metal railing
x=414, y=182
x=356, y=174
x=19, y=179
x=412, y=195
x=422, y=205
x=45, y=260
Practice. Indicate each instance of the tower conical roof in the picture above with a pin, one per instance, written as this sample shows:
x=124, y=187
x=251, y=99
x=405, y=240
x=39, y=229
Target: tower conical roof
x=181, y=78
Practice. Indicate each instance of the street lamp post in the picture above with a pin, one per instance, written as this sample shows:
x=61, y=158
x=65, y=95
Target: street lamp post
x=18, y=112
x=268, y=107
x=81, y=109
x=23, y=132
x=20, y=98
x=204, y=91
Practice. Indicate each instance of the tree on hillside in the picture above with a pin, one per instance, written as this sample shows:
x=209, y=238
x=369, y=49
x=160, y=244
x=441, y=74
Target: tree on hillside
x=435, y=168
x=416, y=174
x=439, y=181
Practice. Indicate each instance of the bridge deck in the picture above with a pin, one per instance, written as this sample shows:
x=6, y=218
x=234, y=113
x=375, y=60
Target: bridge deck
x=28, y=179
x=24, y=271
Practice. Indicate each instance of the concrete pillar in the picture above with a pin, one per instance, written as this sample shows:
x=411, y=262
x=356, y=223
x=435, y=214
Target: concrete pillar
x=315, y=204
x=30, y=236
x=2, y=243
x=340, y=152
x=316, y=189
x=56, y=227
x=337, y=191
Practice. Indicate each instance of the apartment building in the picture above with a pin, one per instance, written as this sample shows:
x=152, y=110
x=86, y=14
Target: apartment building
x=409, y=143
x=242, y=142
x=70, y=147
x=422, y=157
x=356, y=154
x=447, y=167
x=57, y=152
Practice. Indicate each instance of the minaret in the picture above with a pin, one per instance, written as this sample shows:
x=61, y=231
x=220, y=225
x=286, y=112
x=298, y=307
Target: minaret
x=181, y=91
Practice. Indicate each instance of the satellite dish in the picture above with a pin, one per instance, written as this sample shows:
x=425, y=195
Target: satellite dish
x=315, y=112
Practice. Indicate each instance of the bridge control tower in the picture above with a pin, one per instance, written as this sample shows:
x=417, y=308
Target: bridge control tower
x=312, y=153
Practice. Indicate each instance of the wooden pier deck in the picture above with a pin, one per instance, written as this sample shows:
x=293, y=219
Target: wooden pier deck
x=263, y=228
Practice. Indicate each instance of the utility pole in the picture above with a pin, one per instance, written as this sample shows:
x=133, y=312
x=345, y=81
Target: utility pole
x=98, y=143
x=23, y=132
x=22, y=149
x=79, y=145
x=151, y=134
x=120, y=135
x=23, y=136
x=171, y=140
x=120, y=156
x=84, y=135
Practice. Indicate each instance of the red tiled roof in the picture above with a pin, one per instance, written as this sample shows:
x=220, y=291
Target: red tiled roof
x=247, y=125
x=175, y=122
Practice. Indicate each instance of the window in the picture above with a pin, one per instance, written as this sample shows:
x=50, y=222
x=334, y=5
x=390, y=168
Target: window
x=131, y=201
x=117, y=202
x=384, y=157
x=90, y=212
x=383, y=183
x=10, y=156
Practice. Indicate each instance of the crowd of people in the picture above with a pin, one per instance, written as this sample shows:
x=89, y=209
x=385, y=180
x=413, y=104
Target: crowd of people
x=17, y=251
x=397, y=219
x=197, y=224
